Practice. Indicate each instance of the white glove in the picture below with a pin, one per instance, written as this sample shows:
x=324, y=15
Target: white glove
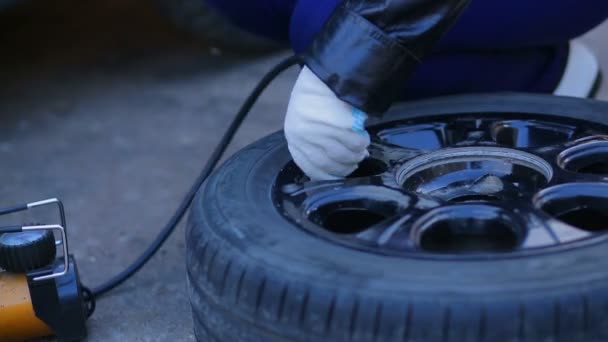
x=325, y=135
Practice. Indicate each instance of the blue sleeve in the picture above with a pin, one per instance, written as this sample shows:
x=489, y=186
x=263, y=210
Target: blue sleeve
x=485, y=24
x=268, y=18
x=495, y=45
x=307, y=19
x=500, y=24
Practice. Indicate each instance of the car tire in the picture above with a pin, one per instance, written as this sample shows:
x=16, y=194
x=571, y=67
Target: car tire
x=254, y=276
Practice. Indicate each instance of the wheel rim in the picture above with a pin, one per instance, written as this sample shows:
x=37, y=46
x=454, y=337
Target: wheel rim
x=490, y=186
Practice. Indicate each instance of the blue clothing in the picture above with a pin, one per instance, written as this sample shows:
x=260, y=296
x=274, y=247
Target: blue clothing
x=496, y=45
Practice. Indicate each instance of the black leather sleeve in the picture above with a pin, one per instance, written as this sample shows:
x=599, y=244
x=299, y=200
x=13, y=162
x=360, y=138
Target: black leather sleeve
x=368, y=48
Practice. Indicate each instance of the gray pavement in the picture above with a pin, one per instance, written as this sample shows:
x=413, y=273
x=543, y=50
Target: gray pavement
x=105, y=105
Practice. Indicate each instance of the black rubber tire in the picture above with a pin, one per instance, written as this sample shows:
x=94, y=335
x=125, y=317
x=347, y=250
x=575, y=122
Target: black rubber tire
x=253, y=276
x=198, y=18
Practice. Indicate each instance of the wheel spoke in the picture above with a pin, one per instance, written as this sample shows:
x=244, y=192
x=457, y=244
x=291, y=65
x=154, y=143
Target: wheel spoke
x=549, y=152
x=311, y=188
x=394, y=232
x=539, y=237
x=531, y=134
x=548, y=231
x=566, y=233
x=294, y=190
x=390, y=153
x=562, y=177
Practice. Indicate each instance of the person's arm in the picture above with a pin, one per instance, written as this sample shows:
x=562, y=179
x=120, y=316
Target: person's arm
x=355, y=66
x=369, y=47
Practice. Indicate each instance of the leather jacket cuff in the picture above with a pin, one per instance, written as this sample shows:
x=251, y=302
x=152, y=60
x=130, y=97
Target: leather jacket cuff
x=359, y=62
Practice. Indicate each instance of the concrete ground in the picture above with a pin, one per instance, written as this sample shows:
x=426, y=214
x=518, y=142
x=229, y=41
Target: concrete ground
x=105, y=105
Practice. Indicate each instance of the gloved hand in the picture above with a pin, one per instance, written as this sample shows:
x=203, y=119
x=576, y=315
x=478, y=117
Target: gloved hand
x=325, y=135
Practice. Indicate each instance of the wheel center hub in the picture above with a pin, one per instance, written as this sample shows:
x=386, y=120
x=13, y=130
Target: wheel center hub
x=475, y=174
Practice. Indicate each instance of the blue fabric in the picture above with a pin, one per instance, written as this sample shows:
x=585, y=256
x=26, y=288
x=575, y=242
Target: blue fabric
x=485, y=24
x=268, y=18
x=508, y=24
x=535, y=70
x=518, y=45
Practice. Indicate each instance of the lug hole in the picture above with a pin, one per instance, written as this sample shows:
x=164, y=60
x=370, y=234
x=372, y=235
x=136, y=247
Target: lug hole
x=351, y=220
x=590, y=158
x=468, y=228
x=580, y=205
